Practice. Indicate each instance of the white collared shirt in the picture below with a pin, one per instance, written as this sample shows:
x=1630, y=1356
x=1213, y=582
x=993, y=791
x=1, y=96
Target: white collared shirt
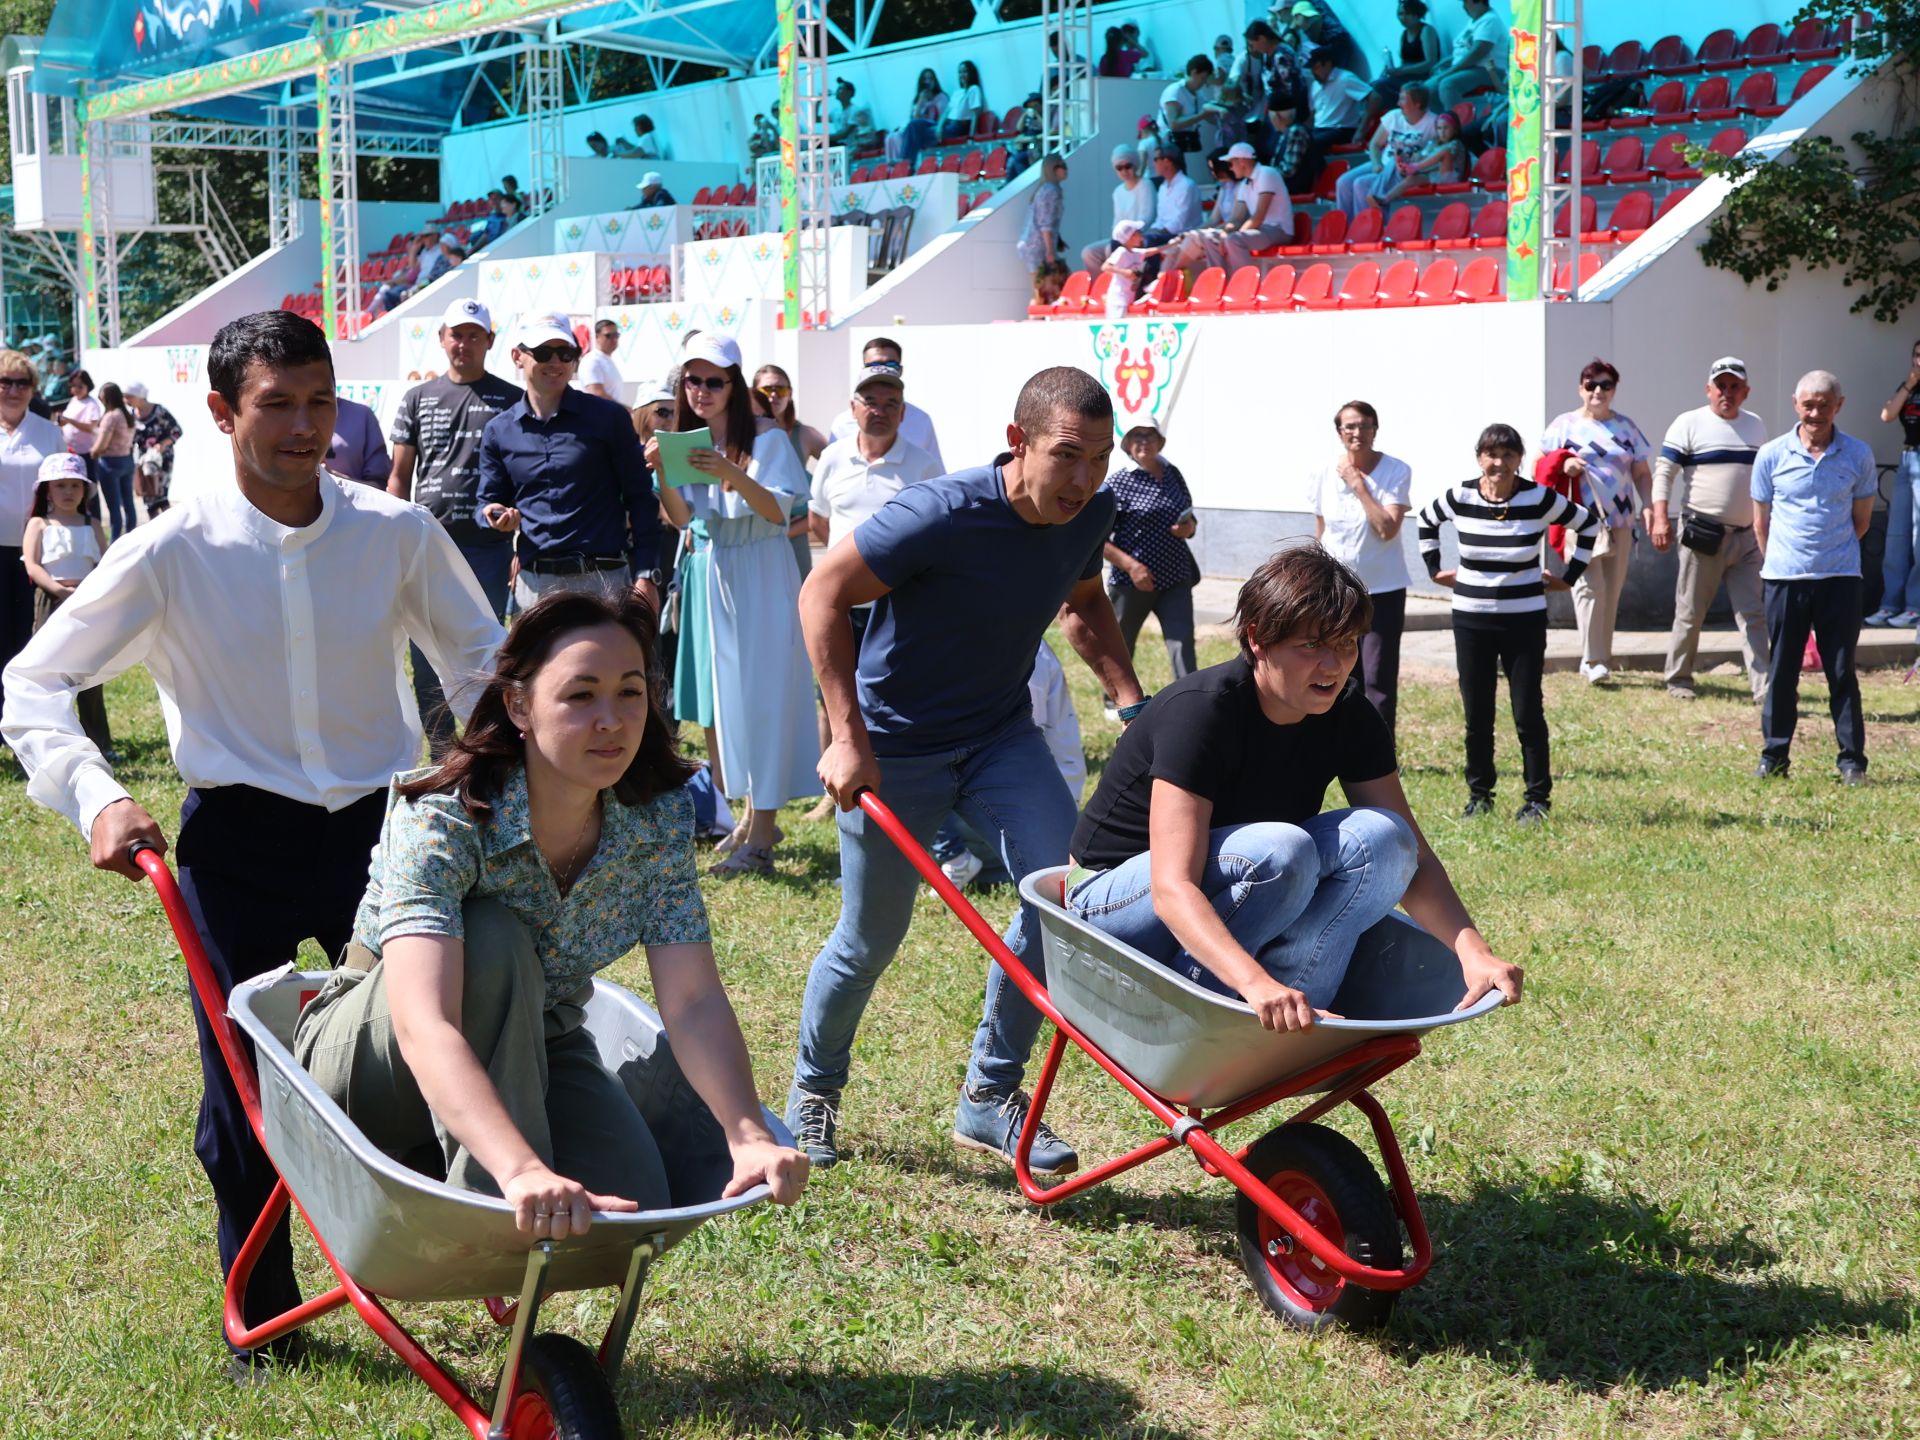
x=848, y=487
x=916, y=428
x=21, y=451
x=277, y=652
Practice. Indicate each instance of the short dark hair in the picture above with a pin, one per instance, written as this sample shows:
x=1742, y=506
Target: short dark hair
x=883, y=342
x=1418, y=91
x=1060, y=390
x=481, y=758
x=512, y=181
x=1418, y=7
x=1302, y=590
x=1260, y=30
x=1319, y=53
x=1360, y=405
x=1597, y=369
x=1500, y=437
x=846, y=82
x=1200, y=63
x=278, y=339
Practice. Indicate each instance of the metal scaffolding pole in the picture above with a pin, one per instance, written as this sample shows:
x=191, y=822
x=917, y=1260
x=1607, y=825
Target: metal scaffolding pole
x=283, y=178
x=544, y=76
x=339, y=183
x=98, y=243
x=1069, y=106
x=804, y=66
x=1562, y=86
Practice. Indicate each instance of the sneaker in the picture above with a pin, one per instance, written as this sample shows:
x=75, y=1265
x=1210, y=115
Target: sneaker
x=1883, y=616
x=815, y=1123
x=963, y=869
x=1477, y=805
x=1531, y=813
x=1595, y=674
x=1853, y=775
x=991, y=1124
x=249, y=1369
x=1680, y=692
x=1772, y=769
x=1905, y=620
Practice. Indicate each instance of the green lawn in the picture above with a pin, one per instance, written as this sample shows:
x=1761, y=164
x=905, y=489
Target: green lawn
x=1674, y=1193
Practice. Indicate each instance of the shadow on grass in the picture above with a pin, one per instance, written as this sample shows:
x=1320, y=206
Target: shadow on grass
x=1592, y=1289
x=744, y=1398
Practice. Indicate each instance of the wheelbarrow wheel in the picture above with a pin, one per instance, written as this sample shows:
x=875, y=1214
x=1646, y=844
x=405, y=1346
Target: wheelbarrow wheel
x=564, y=1394
x=1329, y=1181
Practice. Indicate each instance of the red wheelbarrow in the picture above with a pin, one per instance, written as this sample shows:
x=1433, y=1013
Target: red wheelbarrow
x=393, y=1233
x=1319, y=1234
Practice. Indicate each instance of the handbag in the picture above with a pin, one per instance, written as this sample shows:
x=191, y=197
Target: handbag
x=1702, y=533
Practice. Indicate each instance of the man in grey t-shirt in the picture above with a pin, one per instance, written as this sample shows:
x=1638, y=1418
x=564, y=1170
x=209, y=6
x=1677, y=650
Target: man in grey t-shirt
x=436, y=463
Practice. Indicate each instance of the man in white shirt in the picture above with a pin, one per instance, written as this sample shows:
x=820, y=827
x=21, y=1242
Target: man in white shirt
x=1339, y=100
x=1479, y=56
x=849, y=122
x=916, y=426
x=1183, y=108
x=598, y=375
x=855, y=476
x=270, y=614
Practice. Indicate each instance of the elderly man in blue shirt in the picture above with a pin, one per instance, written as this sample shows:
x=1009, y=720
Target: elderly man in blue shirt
x=1813, y=492
x=563, y=470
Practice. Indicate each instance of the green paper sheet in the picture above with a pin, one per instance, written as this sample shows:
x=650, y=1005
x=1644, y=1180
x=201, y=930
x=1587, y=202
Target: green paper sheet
x=675, y=445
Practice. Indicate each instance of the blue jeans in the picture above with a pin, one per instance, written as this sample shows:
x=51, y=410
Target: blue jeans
x=491, y=565
x=1007, y=787
x=1296, y=897
x=1900, y=574
x=115, y=473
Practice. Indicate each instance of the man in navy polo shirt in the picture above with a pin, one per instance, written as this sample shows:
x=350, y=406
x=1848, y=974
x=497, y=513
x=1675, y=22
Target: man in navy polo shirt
x=564, y=469
x=932, y=712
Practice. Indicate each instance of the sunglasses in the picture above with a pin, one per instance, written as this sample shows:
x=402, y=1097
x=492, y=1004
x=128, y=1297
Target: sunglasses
x=775, y=392
x=547, y=354
x=1598, y=385
x=15, y=382
x=713, y=384
x=1123, y=169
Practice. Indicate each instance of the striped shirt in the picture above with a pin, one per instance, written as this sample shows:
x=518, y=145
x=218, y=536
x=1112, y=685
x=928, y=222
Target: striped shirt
x=1717, y=458
x=1499, y=572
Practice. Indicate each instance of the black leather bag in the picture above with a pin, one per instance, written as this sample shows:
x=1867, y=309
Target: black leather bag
x=1702, y=533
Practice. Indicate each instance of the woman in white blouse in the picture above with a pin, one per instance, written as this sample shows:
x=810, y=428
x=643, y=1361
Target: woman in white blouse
x=1359, y=504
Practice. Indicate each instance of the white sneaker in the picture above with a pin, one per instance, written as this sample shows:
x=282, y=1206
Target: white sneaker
x=1595, y=674
x=1905, y=620
x=1883, y=616
x=963, y=869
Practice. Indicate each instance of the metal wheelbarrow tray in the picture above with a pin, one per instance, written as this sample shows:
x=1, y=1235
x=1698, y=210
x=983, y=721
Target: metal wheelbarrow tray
x=392, y=1233
x=1319, y=1234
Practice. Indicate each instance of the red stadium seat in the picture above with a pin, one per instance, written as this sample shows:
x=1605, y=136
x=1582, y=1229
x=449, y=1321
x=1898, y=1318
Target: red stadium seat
x=1490, y=226
x=1762, y=46
x=986, y=125
x=1589, y=218
x=1719, y=51
x=1329, y=234
x=1356, y=292
x=950, y=165
x=1437, y=282
x=1632, y=216
x=1397, y=284
x=1672, y=56
x=1450, y=229
x=1404, y=226
x=1672, y=200
x=1314, y=285
x=1479, y=282
x=1243, y=291
x=703, y=196
x=1010, y=122
x=1810, y=40
x=584, y=338
x=1628, y=59
x=972, y=163
x=1808, y=79
x=1171, y=287
x=1323, y=187
x=1711, y=100
x=1668, y=160
x=1756, y=96
x=1207, y=288
x=1625, y=162
x=929, y=164
x=1073, y=295
x=1563, y=272
x=1592, y=57
x=1276, y=289
x=859, y=175
x=1364, y=234
x=997, y=159
x=1729, y=142
x=1096, y=303
x=1490, y=170
x=1589, y=162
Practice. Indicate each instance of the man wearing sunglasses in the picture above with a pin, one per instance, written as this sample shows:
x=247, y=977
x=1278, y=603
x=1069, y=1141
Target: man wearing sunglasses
x=599, y=375
x=563, y=471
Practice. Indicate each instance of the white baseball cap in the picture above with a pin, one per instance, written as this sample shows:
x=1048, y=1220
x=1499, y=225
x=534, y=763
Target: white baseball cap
x=1124, y=230
x=714, y=349
x=1242, y=151
x=656, y=392
x=467, y=312
x=543, y=327
x=1728, y=365
x=651, y=178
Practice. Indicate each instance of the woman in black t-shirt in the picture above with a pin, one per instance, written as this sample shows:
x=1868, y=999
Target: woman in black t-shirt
x=1205, y=847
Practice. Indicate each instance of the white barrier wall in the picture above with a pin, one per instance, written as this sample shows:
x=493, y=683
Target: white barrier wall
x=649, y=234
x=727, y=272
x=934, y=200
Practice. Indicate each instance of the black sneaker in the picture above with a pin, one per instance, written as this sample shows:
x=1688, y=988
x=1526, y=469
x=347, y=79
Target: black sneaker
x=1853, y=775
x=1772, y=769
x=815, y=1123
x=1531, y=813
x=1477, y=805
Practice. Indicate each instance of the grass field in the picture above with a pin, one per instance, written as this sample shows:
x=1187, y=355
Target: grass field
x=1674, y=1193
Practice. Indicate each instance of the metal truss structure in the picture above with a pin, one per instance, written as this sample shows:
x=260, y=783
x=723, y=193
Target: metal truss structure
x=1068, y=105
x=813, y=163
x=543, y=83
x=1560, y=90
x=339, y=188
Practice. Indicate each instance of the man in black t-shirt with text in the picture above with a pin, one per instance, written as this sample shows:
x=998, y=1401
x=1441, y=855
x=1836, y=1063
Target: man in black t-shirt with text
x=436, y=463
x=1205, y=847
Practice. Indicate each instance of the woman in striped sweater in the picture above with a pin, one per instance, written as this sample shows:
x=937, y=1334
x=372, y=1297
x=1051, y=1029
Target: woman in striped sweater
x=1500, y=606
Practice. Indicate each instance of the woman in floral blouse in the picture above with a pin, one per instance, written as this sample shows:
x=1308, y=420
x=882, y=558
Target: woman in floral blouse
x=554, y=838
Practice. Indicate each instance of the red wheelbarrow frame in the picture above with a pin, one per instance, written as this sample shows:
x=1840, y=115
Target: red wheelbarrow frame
x=520, y=1314
x=1369, y=1062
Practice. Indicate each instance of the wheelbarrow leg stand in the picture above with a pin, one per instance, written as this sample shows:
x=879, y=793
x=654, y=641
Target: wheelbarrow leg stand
x=532, y=1291
x=613, y=1347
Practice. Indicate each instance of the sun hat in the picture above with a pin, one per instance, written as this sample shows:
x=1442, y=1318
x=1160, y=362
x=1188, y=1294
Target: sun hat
x=63, y=465
x=714, y=349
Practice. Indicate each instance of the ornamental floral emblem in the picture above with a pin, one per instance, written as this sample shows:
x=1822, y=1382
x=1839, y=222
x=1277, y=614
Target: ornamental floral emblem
x=1140, y=362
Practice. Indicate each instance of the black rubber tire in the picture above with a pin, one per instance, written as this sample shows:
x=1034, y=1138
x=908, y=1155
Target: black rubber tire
x=567, y=1378
x=1329, y=1161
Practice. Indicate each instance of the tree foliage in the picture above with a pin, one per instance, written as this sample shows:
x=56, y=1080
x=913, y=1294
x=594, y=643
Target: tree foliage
x=1851, y=207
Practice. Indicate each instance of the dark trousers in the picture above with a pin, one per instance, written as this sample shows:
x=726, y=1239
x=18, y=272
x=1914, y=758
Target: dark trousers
x=1829, y=610
x=1516, y=645
x=491, y=566
x=1380, y=653
x=1174, y=606
x=260, y=873
x=16, y=608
